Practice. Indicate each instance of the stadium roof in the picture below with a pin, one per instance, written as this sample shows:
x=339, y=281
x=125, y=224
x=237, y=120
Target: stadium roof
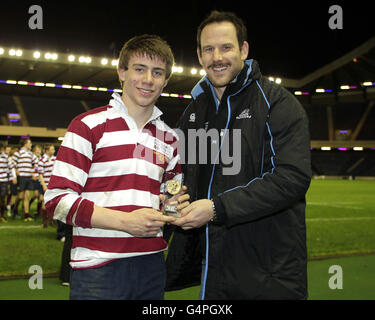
x=48, y=73
x=292, y=43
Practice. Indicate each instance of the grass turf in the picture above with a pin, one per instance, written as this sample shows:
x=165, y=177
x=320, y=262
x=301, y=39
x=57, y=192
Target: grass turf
x=358, y=283
x=340, y=220
x=340, y=217
x=23, y=244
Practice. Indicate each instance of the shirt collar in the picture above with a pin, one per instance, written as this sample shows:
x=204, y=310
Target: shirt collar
x=118, y=104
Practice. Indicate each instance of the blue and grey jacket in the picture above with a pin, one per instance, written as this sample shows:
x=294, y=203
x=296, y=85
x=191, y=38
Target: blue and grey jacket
x=257, y=246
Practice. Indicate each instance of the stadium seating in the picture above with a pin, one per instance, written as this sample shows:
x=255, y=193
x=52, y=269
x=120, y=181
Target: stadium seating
x=343, y=163
x=58, y=112
x=50, y=112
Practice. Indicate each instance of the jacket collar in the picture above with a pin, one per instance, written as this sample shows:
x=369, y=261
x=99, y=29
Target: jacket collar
x=249, y=72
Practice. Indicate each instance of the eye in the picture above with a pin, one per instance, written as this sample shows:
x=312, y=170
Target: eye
x=208, y=49
x=158, y=74
x=139, y=69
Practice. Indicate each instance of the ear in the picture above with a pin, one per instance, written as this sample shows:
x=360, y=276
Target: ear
x=121, y=74
x=165, y=83
x=199, y=57
x=244, y=50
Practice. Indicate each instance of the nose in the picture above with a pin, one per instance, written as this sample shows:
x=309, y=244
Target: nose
x=147, y=77
x=217, y=55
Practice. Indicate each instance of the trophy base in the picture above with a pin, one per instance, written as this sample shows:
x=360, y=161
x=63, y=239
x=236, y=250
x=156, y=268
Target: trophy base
x=171, y=211
x=172, y=214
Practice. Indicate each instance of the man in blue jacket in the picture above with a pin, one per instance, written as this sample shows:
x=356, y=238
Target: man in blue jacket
x=248, y=227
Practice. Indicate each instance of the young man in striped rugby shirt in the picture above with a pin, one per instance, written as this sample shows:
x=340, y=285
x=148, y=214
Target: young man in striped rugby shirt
x=6, y=174
x=45, y=166
x=106, y=182
x=25, y=163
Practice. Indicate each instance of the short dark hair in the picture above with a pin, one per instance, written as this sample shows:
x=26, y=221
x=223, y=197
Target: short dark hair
x=150, y=45
x=221, y=16
x=23, y=141
x=47, y=146
x=37, y=146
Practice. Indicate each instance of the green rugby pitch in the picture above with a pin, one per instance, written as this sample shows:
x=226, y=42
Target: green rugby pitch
x=340, y=223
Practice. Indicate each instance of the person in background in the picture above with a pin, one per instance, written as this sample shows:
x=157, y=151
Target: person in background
x=13, y=200
x=37, y=191
x=6, y=174
x=7, y=151
x=45, y=167
x=25, y=164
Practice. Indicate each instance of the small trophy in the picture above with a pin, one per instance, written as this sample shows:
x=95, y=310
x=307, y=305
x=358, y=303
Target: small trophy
x=172, y=190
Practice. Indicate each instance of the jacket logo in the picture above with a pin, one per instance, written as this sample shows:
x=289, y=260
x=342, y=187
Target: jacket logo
x=245, y=114
x=192, y=117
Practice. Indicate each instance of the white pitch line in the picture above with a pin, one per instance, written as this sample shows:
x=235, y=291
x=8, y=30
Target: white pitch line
x=20, y=227
x=339, y=219
x=346, y=205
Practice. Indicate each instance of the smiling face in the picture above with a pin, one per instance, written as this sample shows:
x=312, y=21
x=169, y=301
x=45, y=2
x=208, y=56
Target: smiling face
x=220, y=54
x=143, y=81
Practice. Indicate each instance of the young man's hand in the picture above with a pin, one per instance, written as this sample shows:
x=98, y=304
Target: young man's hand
x=145, y=222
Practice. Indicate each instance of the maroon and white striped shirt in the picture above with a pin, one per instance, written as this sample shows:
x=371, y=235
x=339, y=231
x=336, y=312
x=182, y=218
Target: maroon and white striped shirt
x=6, y=172
x=105, y=159
x=25, y=163
x=45, y=166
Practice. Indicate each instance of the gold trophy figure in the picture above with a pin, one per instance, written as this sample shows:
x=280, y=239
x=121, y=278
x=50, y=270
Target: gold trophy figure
x=172, y=190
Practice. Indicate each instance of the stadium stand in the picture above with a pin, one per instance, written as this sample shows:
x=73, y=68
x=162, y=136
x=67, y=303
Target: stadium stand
x=7, y=106
x=338, y=98
x=343, y=163
x=317, y=115
x=41, y=112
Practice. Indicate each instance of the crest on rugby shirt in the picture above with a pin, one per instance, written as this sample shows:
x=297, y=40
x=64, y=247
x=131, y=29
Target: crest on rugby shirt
x=163, y=148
